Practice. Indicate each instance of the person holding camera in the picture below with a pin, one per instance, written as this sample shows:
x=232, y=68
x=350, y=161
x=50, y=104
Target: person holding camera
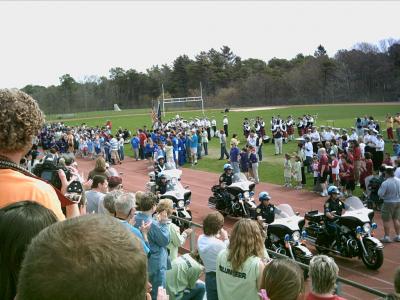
x=21, y=121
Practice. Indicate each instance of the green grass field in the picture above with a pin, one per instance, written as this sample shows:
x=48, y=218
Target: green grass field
x=271, y=168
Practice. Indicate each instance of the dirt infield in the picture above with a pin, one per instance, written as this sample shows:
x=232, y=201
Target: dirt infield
x=134, y=174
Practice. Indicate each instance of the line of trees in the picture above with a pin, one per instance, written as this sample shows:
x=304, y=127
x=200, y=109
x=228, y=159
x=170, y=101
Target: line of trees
x=365, y=73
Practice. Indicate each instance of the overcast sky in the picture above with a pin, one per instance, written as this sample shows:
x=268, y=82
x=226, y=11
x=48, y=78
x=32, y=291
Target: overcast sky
x=40, y=41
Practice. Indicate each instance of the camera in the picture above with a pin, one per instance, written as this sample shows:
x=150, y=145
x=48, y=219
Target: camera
x=48, y=170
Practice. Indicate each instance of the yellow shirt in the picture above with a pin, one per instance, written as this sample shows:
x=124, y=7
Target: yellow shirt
x=389, y=122
x=15, y=187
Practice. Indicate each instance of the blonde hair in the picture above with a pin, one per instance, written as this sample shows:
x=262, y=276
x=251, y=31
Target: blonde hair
x=100, y=164
x=323, y=273
x=246, y=240
x=21, y=120
x=283, y=279
x=165, y=204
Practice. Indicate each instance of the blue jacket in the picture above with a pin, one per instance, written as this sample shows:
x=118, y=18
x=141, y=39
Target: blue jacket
x=158, y=240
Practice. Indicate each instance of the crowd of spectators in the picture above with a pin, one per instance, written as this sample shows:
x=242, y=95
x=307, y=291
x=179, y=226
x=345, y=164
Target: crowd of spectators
x=117, y=245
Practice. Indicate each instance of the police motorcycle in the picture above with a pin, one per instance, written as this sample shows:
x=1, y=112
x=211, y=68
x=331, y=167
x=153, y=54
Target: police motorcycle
x=241, y=194
x=356, y=232
x=285, y=235
x=180, y=195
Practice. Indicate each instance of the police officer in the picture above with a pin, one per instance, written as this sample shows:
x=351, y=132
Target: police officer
x=226, y=180
x=159, y=166
x=265, y=211
x=333, y=207
x=161, y=187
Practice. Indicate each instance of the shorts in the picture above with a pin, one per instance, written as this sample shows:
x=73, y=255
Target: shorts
x=193, y=151
x=390, y=211
x=323, y=177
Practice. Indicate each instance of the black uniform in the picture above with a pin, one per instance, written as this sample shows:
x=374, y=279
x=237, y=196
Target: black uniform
x=161, y=187
x=337, y=207
x=266, y=212
x=226, y=178
x=334, y=205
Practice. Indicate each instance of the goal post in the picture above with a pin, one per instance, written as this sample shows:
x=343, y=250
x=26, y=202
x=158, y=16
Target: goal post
x=168, y=101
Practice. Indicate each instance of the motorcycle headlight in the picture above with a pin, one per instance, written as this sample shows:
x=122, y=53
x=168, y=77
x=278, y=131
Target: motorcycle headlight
x=304, y=234
x=359, y=229
x=367, y=227
x=296, y=236
x=251, y=194
x=374, y=226
x=181, y=204
x=246, y=195
x=287, y=238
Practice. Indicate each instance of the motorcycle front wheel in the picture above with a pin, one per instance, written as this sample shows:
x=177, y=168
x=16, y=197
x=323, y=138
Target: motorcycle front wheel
x=374, y=260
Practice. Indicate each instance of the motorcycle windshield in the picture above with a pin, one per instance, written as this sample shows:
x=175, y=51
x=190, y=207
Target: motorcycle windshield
x=284, y=211
x=174, y=185
x=239, y=177
x=353, y=203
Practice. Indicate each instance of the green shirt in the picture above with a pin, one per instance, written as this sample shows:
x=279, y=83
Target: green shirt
x=237, y=285
x=176, y=240
x=184, y=273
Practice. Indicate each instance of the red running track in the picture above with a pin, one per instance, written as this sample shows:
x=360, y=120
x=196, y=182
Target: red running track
x=135, y=176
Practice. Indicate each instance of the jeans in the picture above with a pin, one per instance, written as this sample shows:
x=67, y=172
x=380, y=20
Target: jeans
x=278, y=146
x=198, y=151
x=205, y=146
x=141, y=152
x=121, y=153
x=135, y=153
x=235, y=166
x=224, y=151
x=259, y=152
x=211, y=286
x=197, y=293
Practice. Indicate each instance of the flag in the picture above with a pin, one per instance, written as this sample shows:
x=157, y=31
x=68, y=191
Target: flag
x=159, y=112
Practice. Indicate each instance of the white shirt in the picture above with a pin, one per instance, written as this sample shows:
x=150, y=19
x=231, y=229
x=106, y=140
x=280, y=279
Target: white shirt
x=353, y=137
x=380, y=145
x=225, y=121
x=329, y=135
x=308, y=147
x=209, y=248
x=213, y=122
x=315, y=136
x=252, y=141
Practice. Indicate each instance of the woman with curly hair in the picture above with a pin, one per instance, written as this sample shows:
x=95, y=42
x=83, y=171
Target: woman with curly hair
x=240, y=266
x=21, y=120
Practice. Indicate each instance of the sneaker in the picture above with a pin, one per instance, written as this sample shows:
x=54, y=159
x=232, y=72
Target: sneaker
x=323, y=194
x=386, y=239
x=397, y=238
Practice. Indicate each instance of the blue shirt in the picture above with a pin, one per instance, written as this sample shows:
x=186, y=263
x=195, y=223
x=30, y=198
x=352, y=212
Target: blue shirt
x=194, y=141
x=234, y=153
x=138, y=233
x=135, y=142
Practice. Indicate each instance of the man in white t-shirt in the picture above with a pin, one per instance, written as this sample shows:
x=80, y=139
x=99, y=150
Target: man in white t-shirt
x=210, y=244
